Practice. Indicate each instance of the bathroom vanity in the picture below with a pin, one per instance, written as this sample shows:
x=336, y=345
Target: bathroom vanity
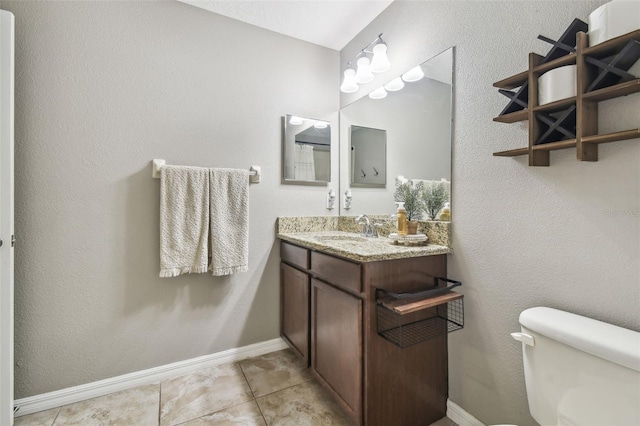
x=328, y=317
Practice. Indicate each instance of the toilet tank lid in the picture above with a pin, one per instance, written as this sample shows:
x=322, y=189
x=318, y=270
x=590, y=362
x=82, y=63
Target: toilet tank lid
x=607, y=341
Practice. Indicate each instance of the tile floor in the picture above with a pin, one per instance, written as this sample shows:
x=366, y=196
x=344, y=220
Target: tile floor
x=272, y=389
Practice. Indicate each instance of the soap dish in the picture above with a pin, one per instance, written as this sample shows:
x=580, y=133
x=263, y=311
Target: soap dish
x=408, y=239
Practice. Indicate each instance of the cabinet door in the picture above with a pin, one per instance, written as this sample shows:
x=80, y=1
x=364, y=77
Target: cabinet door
x=336, y=342
x=294, y=310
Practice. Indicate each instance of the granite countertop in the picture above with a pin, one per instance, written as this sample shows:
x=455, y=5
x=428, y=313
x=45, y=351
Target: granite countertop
x=356, y=247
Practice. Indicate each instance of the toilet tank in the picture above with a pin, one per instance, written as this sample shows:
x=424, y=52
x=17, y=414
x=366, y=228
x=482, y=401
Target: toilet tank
x=580, y=371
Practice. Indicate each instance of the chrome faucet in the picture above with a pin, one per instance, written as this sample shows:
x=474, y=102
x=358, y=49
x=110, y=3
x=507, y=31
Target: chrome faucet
x=363, y=220
x=368, y=229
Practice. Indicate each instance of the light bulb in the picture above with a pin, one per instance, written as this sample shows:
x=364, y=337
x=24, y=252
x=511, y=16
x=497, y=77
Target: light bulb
x=380, y=62
x=414, y=74
x=349, y=84
x=363, y=74
x=295, y=121
x=379, y=93
x=394, y=85
x=320, y=125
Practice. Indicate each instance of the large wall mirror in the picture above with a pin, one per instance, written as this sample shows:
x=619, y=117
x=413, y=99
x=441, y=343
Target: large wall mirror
x=306, y=151
x=416, y=119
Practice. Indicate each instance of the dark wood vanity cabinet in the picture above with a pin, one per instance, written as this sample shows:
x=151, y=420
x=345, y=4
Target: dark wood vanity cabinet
x=329, y=308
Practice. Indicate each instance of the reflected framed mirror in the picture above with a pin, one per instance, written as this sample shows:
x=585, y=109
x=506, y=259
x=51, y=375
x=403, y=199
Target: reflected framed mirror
x=368, y=162
x=416, y=116
x=306, y=151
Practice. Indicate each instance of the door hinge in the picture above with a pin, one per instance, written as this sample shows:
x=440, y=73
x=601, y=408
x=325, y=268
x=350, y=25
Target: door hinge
x=13, y=241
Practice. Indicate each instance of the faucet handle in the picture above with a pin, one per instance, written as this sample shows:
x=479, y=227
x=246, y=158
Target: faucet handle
x=374, y=229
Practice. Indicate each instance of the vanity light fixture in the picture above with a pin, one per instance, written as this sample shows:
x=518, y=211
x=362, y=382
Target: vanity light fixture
x=379, y=93
x=295, y=121
x=380, y=62
x=349, y=84
x=365, y=66
x=363, y=73
x=321, y=125
x=414, y=74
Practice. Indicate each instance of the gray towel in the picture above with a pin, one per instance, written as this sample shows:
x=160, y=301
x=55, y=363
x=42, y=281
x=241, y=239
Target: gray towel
x=229, y=224
x=184, y=220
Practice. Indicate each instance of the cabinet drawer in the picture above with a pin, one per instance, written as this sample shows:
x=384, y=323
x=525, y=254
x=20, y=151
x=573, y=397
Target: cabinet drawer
x=338, y=272
x=294, y=255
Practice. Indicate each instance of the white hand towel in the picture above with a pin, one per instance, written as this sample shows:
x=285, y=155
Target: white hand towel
x=229, y=224
x=184, y=220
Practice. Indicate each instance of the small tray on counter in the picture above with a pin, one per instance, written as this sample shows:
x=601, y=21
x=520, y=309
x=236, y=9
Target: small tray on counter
x=416, y=239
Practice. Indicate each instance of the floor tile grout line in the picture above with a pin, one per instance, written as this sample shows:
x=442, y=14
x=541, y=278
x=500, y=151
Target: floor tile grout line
x=255, y=399
x=230, y=406
x=288, y=387
x=246, y=379
x=261, y=413
x=213, y=412
x=159, y=402
x=56, y=416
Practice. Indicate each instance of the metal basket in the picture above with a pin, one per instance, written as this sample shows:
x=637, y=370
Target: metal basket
x=436, y=311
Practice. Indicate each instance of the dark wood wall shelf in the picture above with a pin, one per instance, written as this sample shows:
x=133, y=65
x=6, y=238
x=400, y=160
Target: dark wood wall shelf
x=584, y=106
x=513, y=117
x=512, y=152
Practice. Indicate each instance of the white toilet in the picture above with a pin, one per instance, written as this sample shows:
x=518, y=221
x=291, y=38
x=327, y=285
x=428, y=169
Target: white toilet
x=579, y=371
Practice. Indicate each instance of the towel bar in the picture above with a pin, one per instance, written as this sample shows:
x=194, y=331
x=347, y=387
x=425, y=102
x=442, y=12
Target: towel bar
x=254, y=171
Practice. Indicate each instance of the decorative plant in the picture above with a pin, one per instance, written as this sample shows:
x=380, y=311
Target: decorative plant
x=434, y=196
x=411, y=195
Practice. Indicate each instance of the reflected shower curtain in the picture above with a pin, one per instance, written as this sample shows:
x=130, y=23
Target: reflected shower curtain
x=304, y=168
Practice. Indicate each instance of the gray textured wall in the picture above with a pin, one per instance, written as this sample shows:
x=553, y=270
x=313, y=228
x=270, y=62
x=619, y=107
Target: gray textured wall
x=522, y=236
x=102, y=88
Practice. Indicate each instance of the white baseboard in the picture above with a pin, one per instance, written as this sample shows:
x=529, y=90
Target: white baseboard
x=460, y=416
x=61, y=397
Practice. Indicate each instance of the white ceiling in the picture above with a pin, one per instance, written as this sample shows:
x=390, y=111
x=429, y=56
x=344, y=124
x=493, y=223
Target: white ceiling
x=329, y=23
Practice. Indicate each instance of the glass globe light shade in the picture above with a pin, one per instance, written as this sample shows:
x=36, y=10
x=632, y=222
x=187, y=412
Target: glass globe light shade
x=379, y=93
x=414, y=74
x=349, y=84
x=380, y=62
x=394, y=85
x=363, y=74
x=295, y=121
